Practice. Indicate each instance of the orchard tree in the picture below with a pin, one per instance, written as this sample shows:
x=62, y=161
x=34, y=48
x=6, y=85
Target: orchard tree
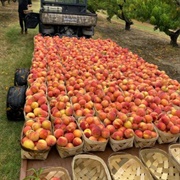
x=118, y=8
x=163, y=14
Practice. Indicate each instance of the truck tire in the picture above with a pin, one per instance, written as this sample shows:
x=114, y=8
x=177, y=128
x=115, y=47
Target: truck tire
x=15, y=103
x=46, y=29
x=20, y=77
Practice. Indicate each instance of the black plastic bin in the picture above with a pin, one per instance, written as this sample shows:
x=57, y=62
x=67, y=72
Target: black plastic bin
x=32, y=20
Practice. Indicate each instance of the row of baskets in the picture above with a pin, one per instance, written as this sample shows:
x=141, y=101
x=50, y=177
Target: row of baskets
x=152, y=163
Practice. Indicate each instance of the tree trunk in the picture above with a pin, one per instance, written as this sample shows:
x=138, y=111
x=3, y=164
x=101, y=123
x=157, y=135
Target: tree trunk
x=128, y=25
x=2, y=1
x=174, y=36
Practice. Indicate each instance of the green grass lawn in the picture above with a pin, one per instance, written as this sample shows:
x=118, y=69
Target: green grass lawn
x=15, y=52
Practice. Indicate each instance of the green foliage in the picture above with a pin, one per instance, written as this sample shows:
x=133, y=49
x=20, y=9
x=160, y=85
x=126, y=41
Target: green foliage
x=36, y=174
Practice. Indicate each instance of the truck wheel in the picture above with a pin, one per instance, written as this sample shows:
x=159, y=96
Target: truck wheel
x=15, y=103
x=20, y=77
x=46, y=29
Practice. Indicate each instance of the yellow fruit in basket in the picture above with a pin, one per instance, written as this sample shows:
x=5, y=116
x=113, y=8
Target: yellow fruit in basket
x=29, y=144
x=41, y=145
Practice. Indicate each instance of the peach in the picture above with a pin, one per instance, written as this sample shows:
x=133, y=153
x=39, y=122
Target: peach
x=147, y=134
x=92, y=138
x=71, y=127
x=96, y=131
x=77, y=141
x=27, y=108
x=26, y=128
x=29, y=144
x=102, y=139
x=117, y=135
x=36, y=125
x=128, y=133
x=69, y=111
x=34, y=136
x=62, y=141
x=58, y=133
x=128, y=124
x=161, y=126
x=55, y=178
x=77, y=133
x=148, y=118
x=139, y=133
x=46, y=124
x=37, y=111
x=30, y=115
x=84, y=125
x=43, y=133
x=69, y=136
x=174, y=129
x=105, y=133
x=117, y=123
x=143, y=126
x=153, y=134
x=69, y=145
x=165, y=119
x=111, y=115
x=44, y=107
x=87, y=132
x=111, y=128
x=41, y=145
x=34, y=105
x=42, y=100
x=51, y=140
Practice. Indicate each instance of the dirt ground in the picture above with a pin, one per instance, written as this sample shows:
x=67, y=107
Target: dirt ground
x=151, y=46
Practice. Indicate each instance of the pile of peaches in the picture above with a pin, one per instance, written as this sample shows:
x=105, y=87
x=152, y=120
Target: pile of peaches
x=113, y=91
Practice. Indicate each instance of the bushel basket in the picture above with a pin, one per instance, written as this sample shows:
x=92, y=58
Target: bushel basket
x=89, y=167
x=124, y=166
x=159, y=163
x=174, y=152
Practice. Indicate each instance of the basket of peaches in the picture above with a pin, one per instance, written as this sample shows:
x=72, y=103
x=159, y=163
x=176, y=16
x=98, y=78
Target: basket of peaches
x=36, y=139
x=69, y=141
x=168, y=126
x=95, y=134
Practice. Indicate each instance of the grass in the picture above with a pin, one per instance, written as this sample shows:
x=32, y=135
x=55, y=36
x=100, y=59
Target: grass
x=15, y=52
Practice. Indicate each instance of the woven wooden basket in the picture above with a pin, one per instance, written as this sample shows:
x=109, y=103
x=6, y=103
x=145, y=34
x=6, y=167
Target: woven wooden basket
x=166, y=137
x=89, y=167
x=58, y=172
x=122, y=144
x=90, y=145
x=159, y=164
x=67, y=152
x=174, y=152
x=127, y=167
x=142, y=143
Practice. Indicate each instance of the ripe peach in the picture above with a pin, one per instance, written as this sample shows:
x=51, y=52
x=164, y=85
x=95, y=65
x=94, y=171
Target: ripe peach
x=128, y=124
x=87, y=132
x=111, y=128
x=43, y=133
x=51, y=140
x=105, y=133
x=69, y=111
x=111, y=115
x=41, y=145
x=174, y=129
x=29, y=144
x=147, y=134
x=96, y=131
x=62, y=141
x=117, y=123
x=34, y=105
x=30, y=115
x=117, y=135
x=139, y=133
x=84, y=125
x=27, y=108
x=26, y=128
x=69, y=136
x=46, y=124
x=58, y=133
x=92, y=138
x=36, y=125
x=128, y=133
x=77, y=133
x=69, y=145
x=33, y=135
x=77, y=141
x=161, y=126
